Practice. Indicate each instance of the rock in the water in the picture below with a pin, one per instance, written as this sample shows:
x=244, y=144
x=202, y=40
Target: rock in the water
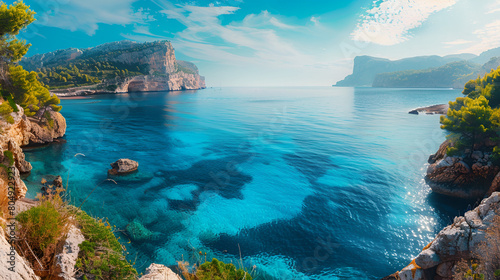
x=441, y=109
x=68, y=254
x=159, y=272
x=58, y=182
x=123, y=166
x=137, y=232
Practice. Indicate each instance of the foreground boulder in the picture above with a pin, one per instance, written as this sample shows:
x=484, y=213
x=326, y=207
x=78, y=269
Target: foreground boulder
x=123, y=166
x=464, y=239
x=159, y=272
x=462, y=177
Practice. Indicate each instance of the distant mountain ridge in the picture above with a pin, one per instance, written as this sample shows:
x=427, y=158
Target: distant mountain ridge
x=117, y=67
x=412, y=72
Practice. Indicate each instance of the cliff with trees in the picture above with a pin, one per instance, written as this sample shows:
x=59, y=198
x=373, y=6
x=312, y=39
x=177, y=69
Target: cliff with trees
x=115, y=67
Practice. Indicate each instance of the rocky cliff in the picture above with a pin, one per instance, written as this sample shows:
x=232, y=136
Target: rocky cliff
x=366, y=68
x=155, y=62
x=23, y=132
x=463, y=176
x=470, y=236
x=420, y=71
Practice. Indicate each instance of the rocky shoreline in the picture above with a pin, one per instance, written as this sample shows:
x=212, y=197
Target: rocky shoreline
x=26, y=132
x=464, y=239
x=439, y=109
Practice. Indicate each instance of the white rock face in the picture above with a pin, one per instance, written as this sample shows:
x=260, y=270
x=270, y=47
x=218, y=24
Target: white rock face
x=22, y=270
x=66, y=259
x=460, y=240
x=159, y=272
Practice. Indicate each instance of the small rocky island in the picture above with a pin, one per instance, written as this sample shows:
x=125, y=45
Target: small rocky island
x=123, y=166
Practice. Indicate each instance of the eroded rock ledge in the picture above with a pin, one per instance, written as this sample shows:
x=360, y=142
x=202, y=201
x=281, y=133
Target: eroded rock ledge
x=463, y=177
x=463, y=239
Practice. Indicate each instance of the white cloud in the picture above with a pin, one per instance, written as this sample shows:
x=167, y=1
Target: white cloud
x=253, y=40
x=389, y=21
x=314, y=20
x=458, y=42
x=489, y=37
x=86, y=15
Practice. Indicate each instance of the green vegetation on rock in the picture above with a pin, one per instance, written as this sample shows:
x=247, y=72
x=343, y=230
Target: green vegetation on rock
x=215, y=270
x=101, y=254
x=451, y=75
x=475, y=118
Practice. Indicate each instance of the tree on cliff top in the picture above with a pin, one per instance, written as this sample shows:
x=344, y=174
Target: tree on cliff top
x=13, y=19
x=469, y=117
x=17, y=85
x=488, y=86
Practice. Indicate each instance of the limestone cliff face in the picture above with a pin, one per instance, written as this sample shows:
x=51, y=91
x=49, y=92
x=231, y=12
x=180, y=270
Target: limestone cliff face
x=22, y=132
x=464, y=239
x=163, y=71
x=171, y=82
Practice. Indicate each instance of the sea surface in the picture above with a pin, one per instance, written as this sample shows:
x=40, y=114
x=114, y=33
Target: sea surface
x=293, y=183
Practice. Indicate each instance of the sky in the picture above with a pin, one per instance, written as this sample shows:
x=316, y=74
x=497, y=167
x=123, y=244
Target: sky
x=271, y=42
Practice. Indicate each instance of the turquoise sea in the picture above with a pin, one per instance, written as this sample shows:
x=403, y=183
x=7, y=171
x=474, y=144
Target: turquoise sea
x=303, y=183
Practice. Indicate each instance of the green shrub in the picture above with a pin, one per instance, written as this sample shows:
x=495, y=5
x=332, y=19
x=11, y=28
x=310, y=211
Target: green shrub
x=43, y=225
x=5, y=110
x=217, y=270
x=101, y=254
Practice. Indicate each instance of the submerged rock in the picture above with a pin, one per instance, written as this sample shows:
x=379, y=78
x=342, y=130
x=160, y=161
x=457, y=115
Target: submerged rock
x=123, y=166
x=159, y=272
x=138, y=232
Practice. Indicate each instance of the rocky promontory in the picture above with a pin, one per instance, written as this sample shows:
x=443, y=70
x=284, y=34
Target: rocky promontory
x=150, y=66
x=470, y=175
x=439, y=109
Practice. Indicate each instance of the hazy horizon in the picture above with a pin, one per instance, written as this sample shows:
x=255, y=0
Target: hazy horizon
x=238, y=43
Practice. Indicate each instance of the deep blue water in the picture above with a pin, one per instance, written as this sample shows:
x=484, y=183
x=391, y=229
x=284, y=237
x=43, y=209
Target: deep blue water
x=307, y=183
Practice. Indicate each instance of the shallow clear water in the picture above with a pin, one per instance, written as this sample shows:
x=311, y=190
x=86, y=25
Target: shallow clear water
x=307, y=183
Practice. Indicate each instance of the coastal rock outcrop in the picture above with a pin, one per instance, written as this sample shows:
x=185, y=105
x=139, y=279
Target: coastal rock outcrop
x=159, y=272
x=440, y=109
x=156, y=61
x=459, y=176
x=68, y=254
x=170, y=82
x=123, y=166
x=13, y=136
x=22, y=268
x=464, y=239
x=45, y=131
